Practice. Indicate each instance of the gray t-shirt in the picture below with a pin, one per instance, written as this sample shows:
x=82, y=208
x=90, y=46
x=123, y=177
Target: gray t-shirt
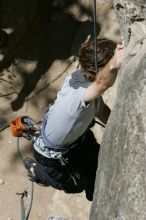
x=69, y=117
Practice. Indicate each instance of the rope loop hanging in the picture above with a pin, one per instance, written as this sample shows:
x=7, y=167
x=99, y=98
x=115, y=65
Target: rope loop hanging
x=25, y=213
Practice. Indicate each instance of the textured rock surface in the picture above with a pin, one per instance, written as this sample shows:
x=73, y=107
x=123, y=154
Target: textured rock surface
x=120, y=192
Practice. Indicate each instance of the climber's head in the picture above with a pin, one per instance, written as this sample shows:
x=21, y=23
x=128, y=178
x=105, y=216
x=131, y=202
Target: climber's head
x=105, y=51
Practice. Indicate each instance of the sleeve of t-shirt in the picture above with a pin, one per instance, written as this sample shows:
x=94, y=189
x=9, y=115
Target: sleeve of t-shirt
x=76, y=101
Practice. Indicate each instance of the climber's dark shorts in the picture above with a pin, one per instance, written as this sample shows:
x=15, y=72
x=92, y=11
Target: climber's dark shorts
x=76, y=175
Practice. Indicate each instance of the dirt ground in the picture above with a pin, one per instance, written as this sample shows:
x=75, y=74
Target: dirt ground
x=29, y=80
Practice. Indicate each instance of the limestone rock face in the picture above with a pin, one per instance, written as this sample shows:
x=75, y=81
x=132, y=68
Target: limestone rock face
x=120, y=192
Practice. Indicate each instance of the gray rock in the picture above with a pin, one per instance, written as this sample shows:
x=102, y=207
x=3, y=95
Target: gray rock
x=1, y=181
x=120, y=183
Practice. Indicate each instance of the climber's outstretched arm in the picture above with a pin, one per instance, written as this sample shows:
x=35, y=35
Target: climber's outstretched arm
x=106, y=77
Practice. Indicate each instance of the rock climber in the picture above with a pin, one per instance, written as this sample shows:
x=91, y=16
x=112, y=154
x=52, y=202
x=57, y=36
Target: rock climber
x=64, y=147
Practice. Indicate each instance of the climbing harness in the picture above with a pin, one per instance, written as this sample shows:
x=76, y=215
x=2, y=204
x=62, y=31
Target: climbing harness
x=55, y=147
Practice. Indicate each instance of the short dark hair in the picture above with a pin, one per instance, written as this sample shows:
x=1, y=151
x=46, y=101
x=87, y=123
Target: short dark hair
x=105, y=51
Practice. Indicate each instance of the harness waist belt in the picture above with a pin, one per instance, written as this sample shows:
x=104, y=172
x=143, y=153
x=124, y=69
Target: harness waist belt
x=55, y=147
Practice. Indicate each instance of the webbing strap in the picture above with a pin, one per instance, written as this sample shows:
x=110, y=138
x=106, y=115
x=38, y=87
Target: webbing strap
x=55, y=147
x=50, y=145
